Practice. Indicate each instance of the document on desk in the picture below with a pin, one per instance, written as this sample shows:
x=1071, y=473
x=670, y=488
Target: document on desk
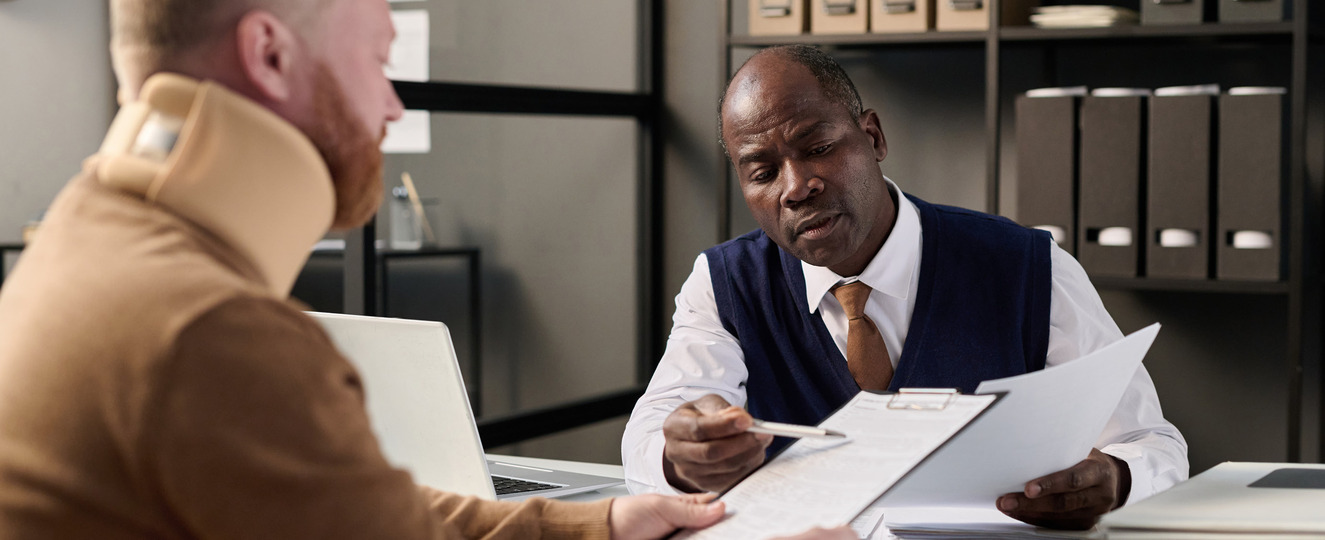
x=1048, y=422
x=958, y=523
x=827, y=482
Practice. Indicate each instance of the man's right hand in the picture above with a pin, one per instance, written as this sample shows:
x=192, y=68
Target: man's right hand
x=707, y=448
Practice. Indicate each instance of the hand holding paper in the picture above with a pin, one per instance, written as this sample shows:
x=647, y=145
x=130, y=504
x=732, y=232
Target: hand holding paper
x=1031, y=434
x=1072, y=498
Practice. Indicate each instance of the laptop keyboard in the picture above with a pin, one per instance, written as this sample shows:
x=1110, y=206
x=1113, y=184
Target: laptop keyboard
x=506, y=486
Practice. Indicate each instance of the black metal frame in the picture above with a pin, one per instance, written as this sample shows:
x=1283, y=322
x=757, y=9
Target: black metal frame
x=525, y=425
x=4, y=250
x=361, y=270
x=477, y=98
x=645, y=107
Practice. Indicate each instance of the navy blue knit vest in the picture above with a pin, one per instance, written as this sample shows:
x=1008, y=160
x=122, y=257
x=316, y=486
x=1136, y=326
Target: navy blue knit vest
x=981, y=312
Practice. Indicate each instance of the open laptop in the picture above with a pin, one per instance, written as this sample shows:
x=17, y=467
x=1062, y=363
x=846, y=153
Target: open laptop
x=420, y=411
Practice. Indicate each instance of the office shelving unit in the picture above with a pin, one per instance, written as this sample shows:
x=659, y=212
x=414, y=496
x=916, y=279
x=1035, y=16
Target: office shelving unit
x=1019, y=58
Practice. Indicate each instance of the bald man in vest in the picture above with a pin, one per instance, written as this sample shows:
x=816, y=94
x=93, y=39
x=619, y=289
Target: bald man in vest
x=850, y=284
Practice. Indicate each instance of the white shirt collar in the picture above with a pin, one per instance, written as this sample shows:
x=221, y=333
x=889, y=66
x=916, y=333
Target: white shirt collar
x=890, y=271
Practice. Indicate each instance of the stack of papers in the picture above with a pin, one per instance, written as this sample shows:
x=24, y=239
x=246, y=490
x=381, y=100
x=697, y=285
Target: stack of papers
x=967, y=523
x=1082, y=16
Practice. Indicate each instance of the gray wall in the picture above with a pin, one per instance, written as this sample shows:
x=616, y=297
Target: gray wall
x=551, y=200
x=693, y=165
x=584, y=44
x=56, y=100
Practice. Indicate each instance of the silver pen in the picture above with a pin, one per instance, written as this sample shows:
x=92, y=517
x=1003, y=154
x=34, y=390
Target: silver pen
x=792, y=430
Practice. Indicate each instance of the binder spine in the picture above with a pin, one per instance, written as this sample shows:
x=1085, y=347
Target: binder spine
x=1179, y=184
x=1112, y=191
x=1047, y=157
x=1251, y=188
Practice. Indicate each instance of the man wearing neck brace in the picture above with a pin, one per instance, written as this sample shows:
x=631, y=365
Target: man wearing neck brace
x=154, y=379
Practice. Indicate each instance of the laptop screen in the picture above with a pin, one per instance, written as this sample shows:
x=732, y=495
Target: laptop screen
x=416, y=398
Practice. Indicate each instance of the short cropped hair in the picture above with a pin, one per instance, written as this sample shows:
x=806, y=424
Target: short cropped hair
x=832, y=78
x=148, y=36
x=169, y=25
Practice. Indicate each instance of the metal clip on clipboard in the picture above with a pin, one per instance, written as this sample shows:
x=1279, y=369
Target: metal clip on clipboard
x=923, y=399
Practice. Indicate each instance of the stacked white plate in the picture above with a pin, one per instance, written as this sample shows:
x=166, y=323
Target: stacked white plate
x=1082, y=16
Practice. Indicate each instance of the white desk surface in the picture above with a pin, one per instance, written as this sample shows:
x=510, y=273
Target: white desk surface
x=600, y=469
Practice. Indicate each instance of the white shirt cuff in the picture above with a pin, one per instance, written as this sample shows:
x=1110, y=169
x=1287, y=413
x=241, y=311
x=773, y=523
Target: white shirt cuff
x=652, y=479
x=1139, y=471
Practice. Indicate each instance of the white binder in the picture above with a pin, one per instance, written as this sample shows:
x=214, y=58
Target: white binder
x=1231, y=500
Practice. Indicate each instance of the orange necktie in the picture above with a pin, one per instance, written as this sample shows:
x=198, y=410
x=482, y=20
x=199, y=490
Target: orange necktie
x=867, y=357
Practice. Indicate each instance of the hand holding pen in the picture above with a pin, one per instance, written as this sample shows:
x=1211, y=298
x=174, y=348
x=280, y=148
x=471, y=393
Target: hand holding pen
x=707, y=445
x=710, y=444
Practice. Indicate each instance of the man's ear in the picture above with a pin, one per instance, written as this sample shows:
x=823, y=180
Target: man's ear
x=869, y=121
x=267, y=50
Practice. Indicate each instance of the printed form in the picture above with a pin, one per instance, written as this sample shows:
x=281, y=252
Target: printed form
x=827, y=482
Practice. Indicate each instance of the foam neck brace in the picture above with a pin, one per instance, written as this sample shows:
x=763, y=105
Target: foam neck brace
x=227, y=164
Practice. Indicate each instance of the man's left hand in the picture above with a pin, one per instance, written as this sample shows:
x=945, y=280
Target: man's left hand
x=1074, y=498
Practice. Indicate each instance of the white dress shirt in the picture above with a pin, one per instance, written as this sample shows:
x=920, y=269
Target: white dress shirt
x=703, y=358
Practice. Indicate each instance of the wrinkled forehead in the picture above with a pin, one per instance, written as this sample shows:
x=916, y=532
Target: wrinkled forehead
x=760, y=100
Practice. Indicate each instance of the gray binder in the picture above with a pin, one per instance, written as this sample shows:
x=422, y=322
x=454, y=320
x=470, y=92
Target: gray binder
x=1046, y=166
x=1251, y=10
x=1172, y=11
x=1109, y=221
x=1179, y=184
x=1250, y=186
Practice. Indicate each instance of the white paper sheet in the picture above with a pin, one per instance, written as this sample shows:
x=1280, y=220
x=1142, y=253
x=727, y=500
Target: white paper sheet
x=826, y=482
x=409, y=52
x=412, y=134
x=1048, y=422
x=867, y=524
x=968, y=522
